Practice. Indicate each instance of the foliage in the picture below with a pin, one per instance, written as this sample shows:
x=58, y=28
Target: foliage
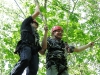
x=79, y=19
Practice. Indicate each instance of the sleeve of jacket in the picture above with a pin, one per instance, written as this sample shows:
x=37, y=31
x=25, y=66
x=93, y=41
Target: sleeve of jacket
x=70, y=49
x=27, y=21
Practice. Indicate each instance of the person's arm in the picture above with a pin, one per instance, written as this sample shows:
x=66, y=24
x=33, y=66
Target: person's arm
x=44, y=42
x=30, y=19
x=79, y=49
x=36, y=13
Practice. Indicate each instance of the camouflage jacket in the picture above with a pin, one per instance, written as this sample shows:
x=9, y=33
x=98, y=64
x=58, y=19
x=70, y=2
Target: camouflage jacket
x=56, y=52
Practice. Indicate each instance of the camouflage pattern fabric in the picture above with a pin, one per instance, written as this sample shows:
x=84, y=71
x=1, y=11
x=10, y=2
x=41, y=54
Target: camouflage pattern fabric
x=56, y=62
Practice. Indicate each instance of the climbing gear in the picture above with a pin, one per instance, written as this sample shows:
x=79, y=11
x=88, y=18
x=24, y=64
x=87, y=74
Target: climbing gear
x=41, y=15
x=56, y=28
x=97, y=39
x=19, y=7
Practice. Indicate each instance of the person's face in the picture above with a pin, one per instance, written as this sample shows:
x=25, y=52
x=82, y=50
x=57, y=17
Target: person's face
x=58, y=34
x=34, y=25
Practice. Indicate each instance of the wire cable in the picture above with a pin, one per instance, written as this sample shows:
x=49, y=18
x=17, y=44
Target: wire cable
x=42, y=17
x=19, y=7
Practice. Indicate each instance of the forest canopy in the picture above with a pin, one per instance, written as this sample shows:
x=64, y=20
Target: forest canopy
x=80, y=20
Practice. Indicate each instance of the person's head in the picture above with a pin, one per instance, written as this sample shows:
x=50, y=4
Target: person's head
x=57, y=32
x=34, y=24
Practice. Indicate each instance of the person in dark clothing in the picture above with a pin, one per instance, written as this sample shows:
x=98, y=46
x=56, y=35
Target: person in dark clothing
x=28, y=47
x=56, y=63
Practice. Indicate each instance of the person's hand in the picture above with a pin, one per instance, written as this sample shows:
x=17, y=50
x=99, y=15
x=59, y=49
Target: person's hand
x=37, y=8
x=45, y=28
x=91, y=44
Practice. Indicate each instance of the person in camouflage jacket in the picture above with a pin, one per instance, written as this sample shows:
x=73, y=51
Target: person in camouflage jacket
x=56, y=62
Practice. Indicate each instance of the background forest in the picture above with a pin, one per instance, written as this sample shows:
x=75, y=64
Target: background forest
x=79, y=18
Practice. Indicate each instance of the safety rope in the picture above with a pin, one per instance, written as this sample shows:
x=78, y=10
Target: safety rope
x=97, y=39
x=42, y=17
x=19, y=7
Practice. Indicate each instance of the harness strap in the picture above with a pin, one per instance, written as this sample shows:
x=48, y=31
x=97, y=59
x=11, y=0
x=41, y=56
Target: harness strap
x=25, y=30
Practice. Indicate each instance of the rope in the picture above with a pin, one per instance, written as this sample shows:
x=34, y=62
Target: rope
x=97, y=39
x=19, y=7
x=42, y=17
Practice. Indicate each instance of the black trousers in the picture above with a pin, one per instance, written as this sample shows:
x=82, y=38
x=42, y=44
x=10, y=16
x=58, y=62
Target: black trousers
x=27, y=60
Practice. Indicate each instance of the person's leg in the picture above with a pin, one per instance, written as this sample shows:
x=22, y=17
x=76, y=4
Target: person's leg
x=33, y=66
x=25, y=56
x=52, y=70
